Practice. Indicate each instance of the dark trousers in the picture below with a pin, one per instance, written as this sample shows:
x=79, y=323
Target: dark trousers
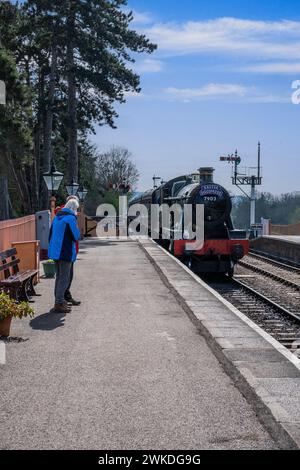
x=68, y=294
x=62, y=280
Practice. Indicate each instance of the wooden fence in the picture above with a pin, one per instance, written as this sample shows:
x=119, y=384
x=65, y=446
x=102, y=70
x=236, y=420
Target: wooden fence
x=17, y=230
x=293, y=229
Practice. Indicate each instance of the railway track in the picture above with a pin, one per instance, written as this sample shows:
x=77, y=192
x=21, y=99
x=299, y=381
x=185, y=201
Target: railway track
x=279, y=264
x=272, y=301
x=272, y=259
x=284, y=274
x=275, y=319
x=268, y=292
x=277, y=283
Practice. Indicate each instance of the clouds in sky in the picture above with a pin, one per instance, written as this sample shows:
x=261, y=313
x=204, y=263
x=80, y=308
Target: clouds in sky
x=212, y=90
x=273, y=67
x=258, y=39
x=222, y=91
x=214, y=84
x=141, y=18
x=262, y=47
x=149, y=66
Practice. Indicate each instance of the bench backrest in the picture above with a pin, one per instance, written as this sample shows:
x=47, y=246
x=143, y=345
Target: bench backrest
x=9, y=263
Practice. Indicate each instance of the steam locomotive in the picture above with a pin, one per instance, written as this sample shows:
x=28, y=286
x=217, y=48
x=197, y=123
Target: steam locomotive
x=223, y=245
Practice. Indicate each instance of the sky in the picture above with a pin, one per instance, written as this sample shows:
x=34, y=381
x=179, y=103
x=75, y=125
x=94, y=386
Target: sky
x=220, y=80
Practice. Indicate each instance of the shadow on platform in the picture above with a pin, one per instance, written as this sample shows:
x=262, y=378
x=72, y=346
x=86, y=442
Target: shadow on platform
x=48, y=321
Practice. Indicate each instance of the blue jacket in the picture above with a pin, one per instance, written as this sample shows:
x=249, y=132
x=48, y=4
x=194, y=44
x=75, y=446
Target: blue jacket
x=63, y=236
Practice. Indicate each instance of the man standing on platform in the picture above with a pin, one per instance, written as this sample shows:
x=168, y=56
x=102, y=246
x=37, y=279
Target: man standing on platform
x=68, y=296
x=64, y=234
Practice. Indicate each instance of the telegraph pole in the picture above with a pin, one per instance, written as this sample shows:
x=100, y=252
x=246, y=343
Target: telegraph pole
x=253, y=201
x=250, y=177
x=259, y=161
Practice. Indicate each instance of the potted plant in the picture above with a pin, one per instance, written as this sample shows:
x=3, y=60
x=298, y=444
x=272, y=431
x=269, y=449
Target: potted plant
x=9, y=309
x=49, y=268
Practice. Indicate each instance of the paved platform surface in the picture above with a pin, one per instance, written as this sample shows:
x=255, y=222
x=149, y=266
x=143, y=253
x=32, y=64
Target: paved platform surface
x=283, y=247
x=286, y=238
x=266, y=372
x=126, y=370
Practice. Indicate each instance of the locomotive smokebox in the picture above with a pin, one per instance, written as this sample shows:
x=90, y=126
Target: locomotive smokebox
x=206, y=174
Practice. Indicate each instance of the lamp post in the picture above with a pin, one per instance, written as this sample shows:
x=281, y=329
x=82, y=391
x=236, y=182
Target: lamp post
x=82, y=193
x=53, y=179
x=72, y=189
x=124, y=187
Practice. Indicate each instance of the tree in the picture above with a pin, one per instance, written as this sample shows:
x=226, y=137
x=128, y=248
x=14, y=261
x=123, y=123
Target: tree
x=68, y=63
x=98, y=45
x=72, y=100
x=93, y=42
x=25, y=103
x=116, y=167
x=283, y=209
x=15, y=116
x=295, y=216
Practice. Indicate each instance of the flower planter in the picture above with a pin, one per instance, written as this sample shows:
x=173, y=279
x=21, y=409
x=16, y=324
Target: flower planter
x=11, y=308
x=49, y=270
x=5, y=326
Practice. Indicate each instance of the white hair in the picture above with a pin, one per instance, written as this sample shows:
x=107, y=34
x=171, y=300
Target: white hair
x=72, y=197
x=73, y=205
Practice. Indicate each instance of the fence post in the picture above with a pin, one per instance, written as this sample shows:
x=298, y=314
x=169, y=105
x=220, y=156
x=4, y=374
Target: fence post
x=4, y=205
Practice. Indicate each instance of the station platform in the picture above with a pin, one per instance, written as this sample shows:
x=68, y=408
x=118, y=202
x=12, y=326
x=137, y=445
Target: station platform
x=152, y=359
x=285, y=238
x=280, y=246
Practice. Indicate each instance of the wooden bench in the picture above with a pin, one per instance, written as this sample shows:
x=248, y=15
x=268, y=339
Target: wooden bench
x=19, y=284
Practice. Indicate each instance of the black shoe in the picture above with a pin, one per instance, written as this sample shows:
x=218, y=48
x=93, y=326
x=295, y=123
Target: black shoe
x=72, y=301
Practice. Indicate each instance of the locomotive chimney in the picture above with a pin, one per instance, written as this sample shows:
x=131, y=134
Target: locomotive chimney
x=206, y=174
